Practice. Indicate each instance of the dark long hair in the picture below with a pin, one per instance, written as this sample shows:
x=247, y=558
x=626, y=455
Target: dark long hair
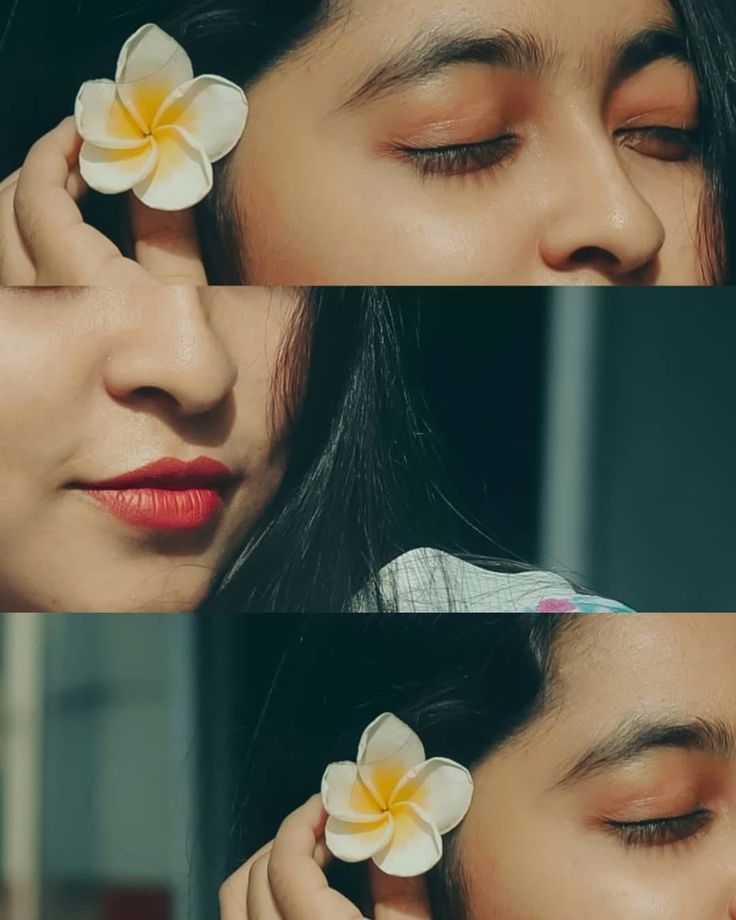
x=711, y=31
x=465, y=683
x=363, y=482
x=49, y=47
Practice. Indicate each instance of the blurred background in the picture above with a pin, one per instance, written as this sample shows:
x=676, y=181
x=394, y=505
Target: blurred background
x=592, y=431
x=589, y=431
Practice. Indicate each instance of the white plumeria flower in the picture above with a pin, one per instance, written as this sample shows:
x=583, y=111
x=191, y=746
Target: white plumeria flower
x=393, y=805
x=155, y=128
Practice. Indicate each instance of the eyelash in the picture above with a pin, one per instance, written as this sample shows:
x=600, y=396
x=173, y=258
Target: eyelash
x=688, y=139
x=456, y=159
x=459, y=159
x=663, y=831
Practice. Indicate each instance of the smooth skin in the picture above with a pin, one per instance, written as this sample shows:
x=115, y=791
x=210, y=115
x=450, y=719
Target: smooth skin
x=96, y=382
x=618, y=804
x=570, y=157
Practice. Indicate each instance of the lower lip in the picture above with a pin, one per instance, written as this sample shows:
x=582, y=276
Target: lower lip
x=160, y=509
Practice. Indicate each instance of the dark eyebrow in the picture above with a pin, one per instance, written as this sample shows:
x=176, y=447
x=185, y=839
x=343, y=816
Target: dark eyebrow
x=638, y=737
x=430, y=52
x=646, y=47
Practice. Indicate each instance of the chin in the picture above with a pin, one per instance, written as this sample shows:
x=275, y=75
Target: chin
x=171, y=601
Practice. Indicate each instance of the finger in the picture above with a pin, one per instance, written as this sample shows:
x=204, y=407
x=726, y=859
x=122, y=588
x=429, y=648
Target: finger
x=260, y=903
x=166, y=244
x=61, y=245
x=298, y=884
x=399, y=898
x=16, y=265
x=75, y=184
x=15, y=260
x=234, y=891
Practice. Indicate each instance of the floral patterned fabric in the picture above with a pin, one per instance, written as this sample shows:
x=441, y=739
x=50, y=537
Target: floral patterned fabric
x=579, y=604
x=429, y=580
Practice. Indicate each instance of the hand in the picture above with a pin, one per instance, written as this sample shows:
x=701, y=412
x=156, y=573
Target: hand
x=45, y=241
x=284, y=880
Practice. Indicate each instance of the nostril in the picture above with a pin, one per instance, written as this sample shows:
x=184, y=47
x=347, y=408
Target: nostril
x=148, y=391
x=591, y=255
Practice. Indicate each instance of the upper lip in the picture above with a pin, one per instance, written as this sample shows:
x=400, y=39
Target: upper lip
x=169, y=473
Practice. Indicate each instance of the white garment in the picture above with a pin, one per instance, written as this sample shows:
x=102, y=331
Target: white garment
x=431, y=581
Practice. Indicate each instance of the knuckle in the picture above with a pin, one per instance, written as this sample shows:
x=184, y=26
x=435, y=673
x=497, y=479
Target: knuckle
x=279, y=880
x=29, y=223
x=284, y=885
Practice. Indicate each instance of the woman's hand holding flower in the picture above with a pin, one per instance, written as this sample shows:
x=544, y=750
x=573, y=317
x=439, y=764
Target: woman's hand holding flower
x=155, y=130
x=44, y=239
x=285, y=880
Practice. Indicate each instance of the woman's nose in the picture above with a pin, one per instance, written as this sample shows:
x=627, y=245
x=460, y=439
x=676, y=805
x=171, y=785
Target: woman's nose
x=169, y=349
x=597, y=220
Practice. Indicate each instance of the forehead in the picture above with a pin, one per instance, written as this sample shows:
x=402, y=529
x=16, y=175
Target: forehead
x=619, y=666
x=565, y=23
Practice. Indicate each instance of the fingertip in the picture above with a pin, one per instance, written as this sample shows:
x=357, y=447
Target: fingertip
x=166, y=243
x=396, y=897
x=317, y=808
x=150, y=224
x=74, y=140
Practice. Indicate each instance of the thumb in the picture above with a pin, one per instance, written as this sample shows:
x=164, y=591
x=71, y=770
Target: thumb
x=166, y=244
x=398, y=898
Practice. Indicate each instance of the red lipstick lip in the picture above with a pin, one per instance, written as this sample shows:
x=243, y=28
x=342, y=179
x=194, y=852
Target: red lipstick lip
x=168, y=473
x=169, y=494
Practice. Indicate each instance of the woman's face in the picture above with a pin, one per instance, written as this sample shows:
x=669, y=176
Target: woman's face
x=96, y=383
x=621, y=803
x=491, y=141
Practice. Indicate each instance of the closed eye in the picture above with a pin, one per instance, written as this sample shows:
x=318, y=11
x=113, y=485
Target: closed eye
x=662, y=143
x=459, y=159
x=662, y=831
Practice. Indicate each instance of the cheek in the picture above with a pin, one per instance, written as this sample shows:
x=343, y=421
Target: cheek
x=263, y=390
x=332, y=215
x=37, y=387
x=544, y=867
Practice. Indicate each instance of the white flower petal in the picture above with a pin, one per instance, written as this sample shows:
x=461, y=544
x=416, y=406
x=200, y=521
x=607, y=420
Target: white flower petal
x=150, y=66
x=415, y=845
x=387, y=751
x=111, y=171
x=102, y=118
x=356, y=842
x=182, y=175
x=345, y=796
x=441, y=788
x=213, y=111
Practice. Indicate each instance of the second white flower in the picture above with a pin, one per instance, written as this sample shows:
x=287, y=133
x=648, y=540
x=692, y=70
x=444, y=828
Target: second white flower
x=393, y=805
